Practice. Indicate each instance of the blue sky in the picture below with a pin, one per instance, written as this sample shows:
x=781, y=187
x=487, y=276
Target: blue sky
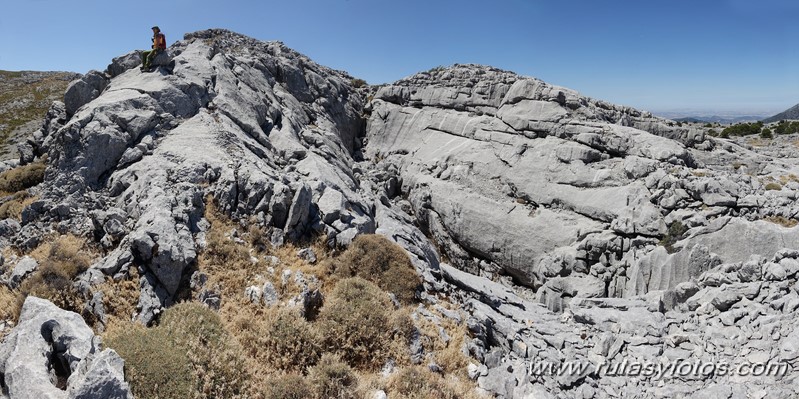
x=735, y=55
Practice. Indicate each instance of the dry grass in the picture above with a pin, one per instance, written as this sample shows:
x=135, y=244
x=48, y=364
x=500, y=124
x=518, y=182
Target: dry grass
x=154, y=367
x=60, y=261
x=120, y=300
x=773, y=186
x=782, y=221
x=418, y=382
x=8, y=302
x=758, y=142
x=13, y=207
x=785, y=179
x=288, y=386
x=448, y=354
x=332, y=378
x=22, y=177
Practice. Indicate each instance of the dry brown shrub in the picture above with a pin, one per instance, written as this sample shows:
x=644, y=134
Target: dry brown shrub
x=280, y=339
x=418, y=382
x=288, y=386
x=22, y=177
x=332, y=378
x=447, y=354
x=120, y=299
x=188, y=355
x=782, y=221
x=377, y=259
x=154, y=366
x=60, y=262
x=359, y=324
x=13, y=208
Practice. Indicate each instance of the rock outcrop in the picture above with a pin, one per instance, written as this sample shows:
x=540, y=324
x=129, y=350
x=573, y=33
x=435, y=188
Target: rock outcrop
x=52, y=354
x=571, y=229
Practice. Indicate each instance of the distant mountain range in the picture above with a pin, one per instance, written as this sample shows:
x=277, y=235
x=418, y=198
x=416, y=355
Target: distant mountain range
x=720, y=119
x=790, y=113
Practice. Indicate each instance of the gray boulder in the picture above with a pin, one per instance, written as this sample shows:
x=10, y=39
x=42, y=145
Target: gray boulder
x=83, y=90
x=52, y=353
x=22, y=269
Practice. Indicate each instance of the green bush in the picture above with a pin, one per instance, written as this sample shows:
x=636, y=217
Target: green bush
x=379, y=260
x=773, y=186
x=21, y=178
x=360, y=324
x=785, y=127
x=675, y=233
x=743, y=129
x=332, y=378
x=357, y=83
x=766, y=133
x=189, y=353
x=713, y=133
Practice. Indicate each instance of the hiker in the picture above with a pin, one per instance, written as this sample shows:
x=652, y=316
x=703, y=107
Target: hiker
x=159, y=45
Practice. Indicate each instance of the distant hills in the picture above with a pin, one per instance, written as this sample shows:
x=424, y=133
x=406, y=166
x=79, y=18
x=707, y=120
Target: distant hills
x=25, y=97
x=720, y=119
x=790, y=113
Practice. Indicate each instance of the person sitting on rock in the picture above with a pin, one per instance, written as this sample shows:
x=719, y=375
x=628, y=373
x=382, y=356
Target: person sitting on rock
x=159, y=45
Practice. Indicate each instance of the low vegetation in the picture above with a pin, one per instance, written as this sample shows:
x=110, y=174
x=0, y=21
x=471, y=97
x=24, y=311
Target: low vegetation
x=782, y=221
x=332, y=378
x=675, y=233
x=251, y=350
x=22, y=177
x=189, y=355
x=14, y=183
x=773, y=186
x=25, y=98
x=358, y=83
x=60, y=261
x=742, y=129
x=375, y=258
x=280, y=339
x=254, y=351
x=360, y=326
x=417, y=382
x=785, y=127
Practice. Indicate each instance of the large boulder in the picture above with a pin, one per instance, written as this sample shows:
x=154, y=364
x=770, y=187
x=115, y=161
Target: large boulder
x=53, y=354
x=83, y=90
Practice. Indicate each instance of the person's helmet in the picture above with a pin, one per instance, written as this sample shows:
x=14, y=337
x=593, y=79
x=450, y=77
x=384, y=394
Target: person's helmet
x=156, y=28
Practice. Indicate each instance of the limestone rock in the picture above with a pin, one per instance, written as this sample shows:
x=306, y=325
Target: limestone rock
x=24, y=267
x=52, y=353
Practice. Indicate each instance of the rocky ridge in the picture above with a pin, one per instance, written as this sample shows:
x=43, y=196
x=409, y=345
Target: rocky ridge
x=790, y=113
x=571, y=229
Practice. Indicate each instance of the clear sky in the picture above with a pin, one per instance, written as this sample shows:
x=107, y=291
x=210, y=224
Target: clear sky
x=737, y=55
